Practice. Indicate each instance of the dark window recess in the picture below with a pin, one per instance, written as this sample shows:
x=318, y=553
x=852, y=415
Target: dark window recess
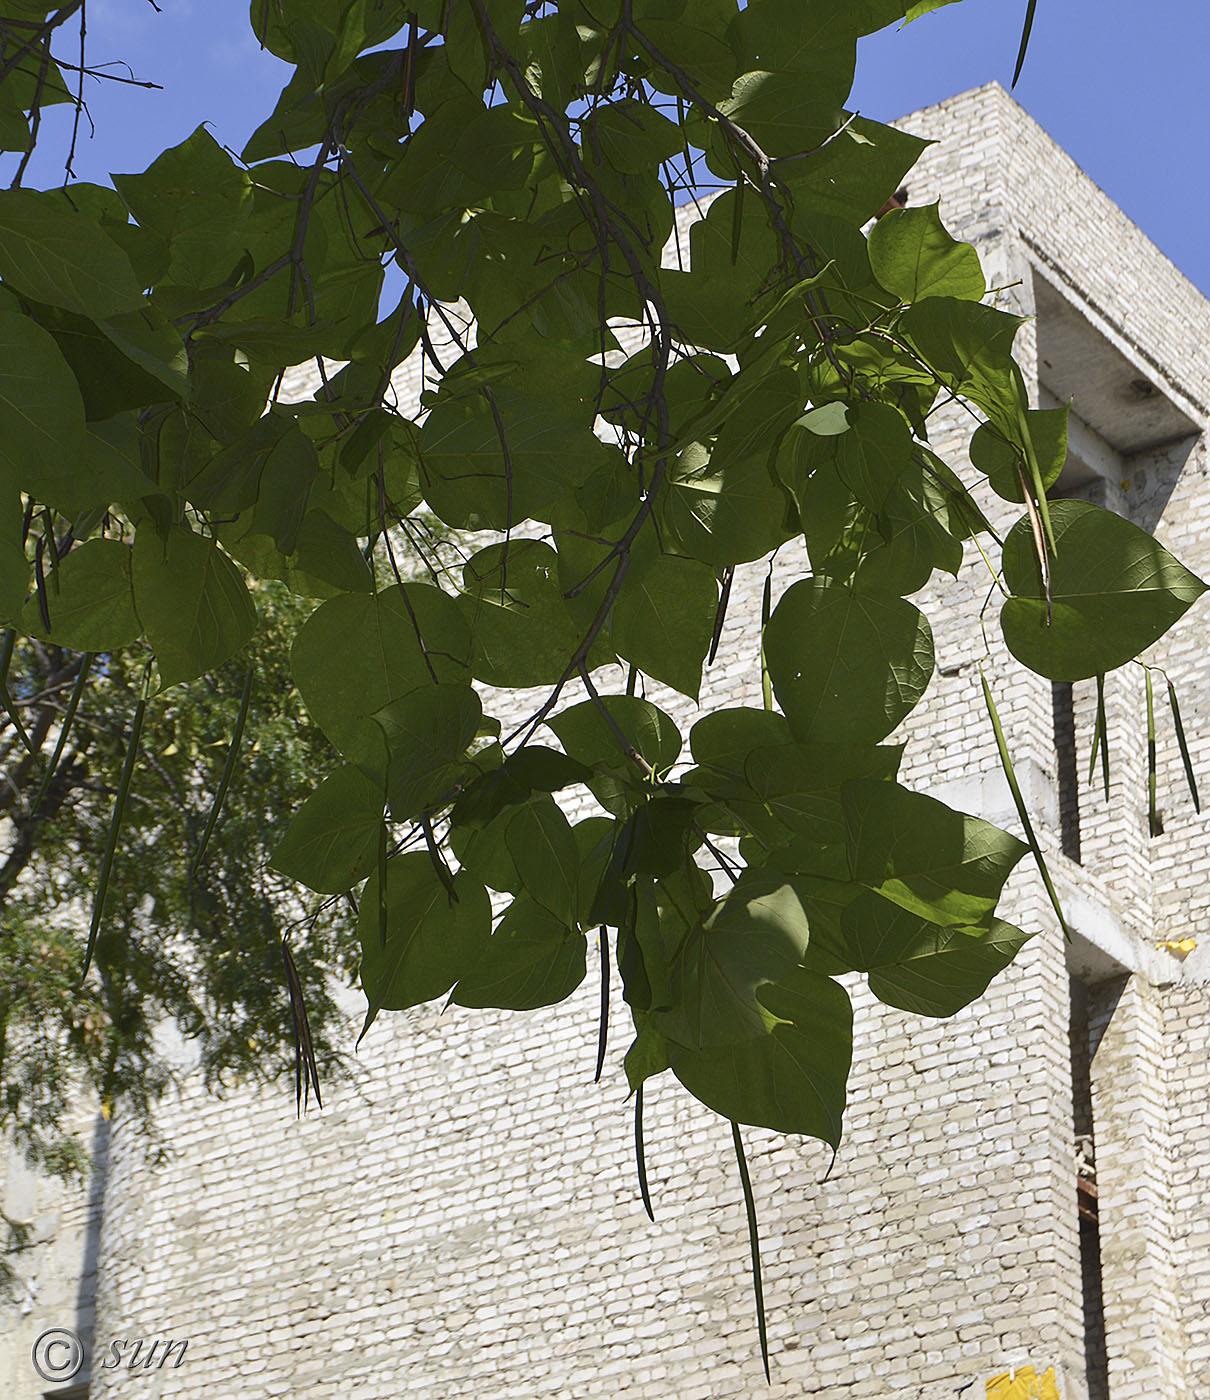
x=1066, y=769
x=1096, y=1357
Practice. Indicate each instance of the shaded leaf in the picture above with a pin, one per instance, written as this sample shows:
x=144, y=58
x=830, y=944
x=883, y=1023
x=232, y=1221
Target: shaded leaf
x=432, y=937
x=357, y=653
x=90, y=600
x=793, y=1078
x=427, y=731
x=943, y=865
x=663, y=619
x=532, y=960
x=920, y=966
x=192, y=602
x=331, y=843
x=56, y=254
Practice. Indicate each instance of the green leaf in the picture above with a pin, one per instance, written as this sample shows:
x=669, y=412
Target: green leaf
x=527, y=770
x=547, y=860
x=41, y=413
x=969, y=345
x=124, y=363
x=828, y=420
x=793, y=1078
x=785, y=115
x=357, y=653
x=919, y=529
x=913, y=256
x=725, y=507
x=924, y=7
x=533, y=960
x=90, y=600
x=522, y=631
x=798, y=786
x=192, y=602
x=921, y=966
x=1115, y=591
x=723, y=739
x=1002, y=461
x=433, y=936
x=472, y=485
x=631, y=136
x=663, y=619
x=53, y=253
x=588, y=739
x=648, y=1053
x=331, y=843
x=846, y=666
x=874, y=453
x=195, y=197
x=943, y=865
x=427, y=731
x=755, y=934
x=853, y=176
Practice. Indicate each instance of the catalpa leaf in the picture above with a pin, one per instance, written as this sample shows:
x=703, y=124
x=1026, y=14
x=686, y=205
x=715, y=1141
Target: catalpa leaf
x=913, y=256
x=332, y=842
x=90, y=600
x=946, y=866
x=793, y=1078
x=532, y=960
x=1114, y=589
x=920, y=966
x=54, y=253
x=846, y=666
x=433, y=934
x=192, y=601
x=663, y=619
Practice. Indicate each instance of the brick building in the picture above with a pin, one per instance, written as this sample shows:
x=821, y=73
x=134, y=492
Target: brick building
x=1026, y=1184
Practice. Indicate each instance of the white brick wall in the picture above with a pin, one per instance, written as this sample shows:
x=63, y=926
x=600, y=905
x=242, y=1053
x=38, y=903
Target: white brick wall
x=463, y=1220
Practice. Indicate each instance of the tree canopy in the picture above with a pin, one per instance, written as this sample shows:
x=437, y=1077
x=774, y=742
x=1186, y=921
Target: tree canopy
x=491, y=185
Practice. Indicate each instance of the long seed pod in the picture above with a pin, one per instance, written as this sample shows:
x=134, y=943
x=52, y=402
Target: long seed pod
x=306, y=1068
x=69, y=716
x=720, y=614
x=640, y=1156
x=1190, y=776
x=1100, y=740
x=1153, y=817
x=6, y=700
x=1014, y=787
x=382, y=885
x=766, y=681
x=10, y=709
x=115, y=827
x=603, y=1033
x=758, y=1287
x=1025, y=33
x=228, y=772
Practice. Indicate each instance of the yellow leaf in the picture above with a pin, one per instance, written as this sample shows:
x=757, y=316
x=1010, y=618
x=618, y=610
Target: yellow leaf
x=1178, y=947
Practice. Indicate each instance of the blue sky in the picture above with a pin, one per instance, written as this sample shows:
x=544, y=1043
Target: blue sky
x=1121, y=85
